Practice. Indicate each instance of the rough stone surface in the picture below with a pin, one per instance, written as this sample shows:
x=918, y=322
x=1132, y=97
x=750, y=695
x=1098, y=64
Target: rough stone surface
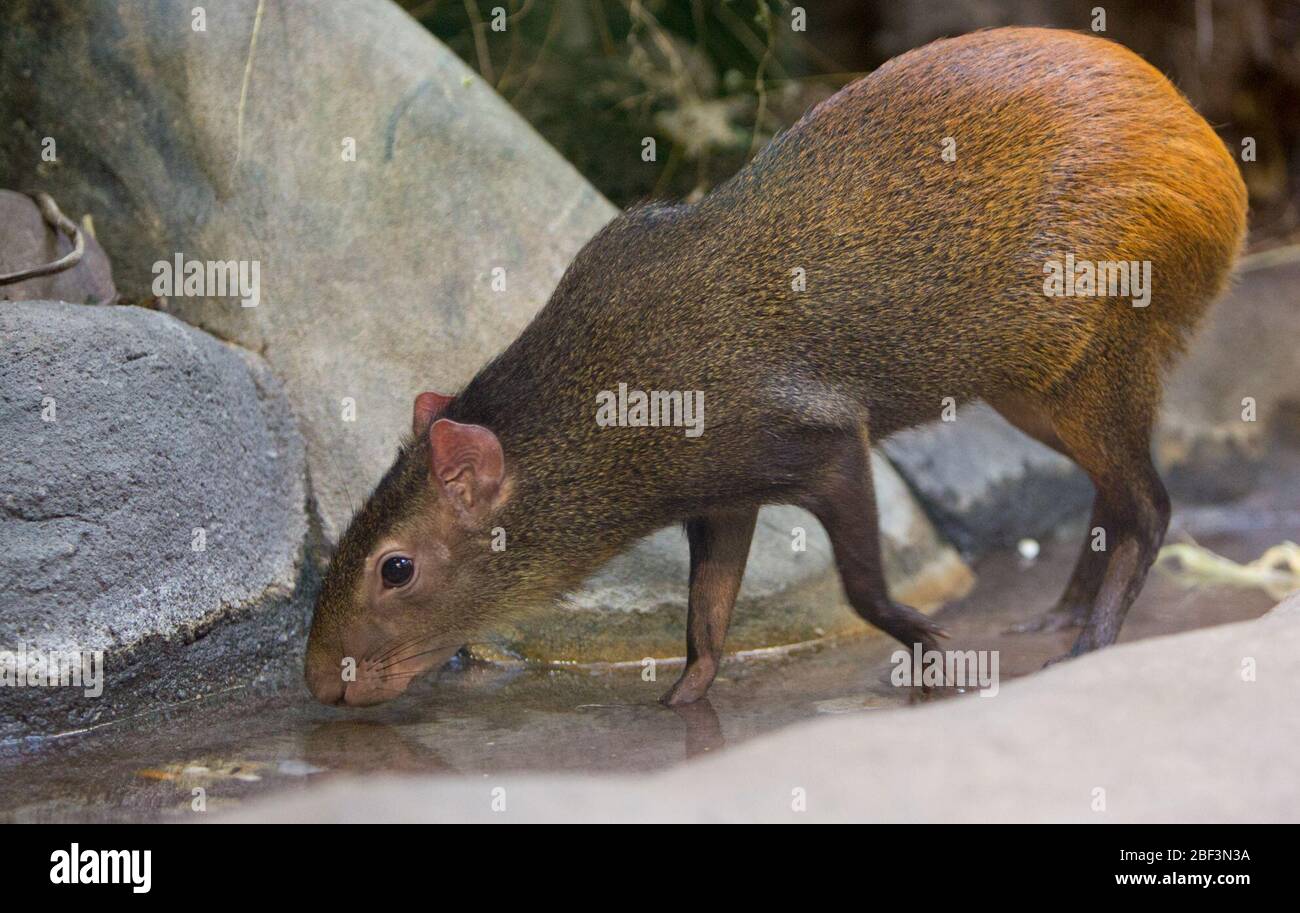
x=987, y=485
x=984, y=483
x=123, y=432
x=26, y=241
x=1168, y=727
x=1248, y=349
x=231, y=143
x=636, y=605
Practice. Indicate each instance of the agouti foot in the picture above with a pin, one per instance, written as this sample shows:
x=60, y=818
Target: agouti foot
x=909, y=626
x=677, y=696
x=692, y=686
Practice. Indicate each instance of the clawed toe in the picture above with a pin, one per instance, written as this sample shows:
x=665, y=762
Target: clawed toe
x=909, y=626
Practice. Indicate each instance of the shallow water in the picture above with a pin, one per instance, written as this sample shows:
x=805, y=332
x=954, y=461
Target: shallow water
x=481, y=719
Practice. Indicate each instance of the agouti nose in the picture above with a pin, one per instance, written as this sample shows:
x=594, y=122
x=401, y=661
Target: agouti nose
x=326, y=685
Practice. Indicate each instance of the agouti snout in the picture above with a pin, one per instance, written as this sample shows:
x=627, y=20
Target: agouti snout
x=1032, y=217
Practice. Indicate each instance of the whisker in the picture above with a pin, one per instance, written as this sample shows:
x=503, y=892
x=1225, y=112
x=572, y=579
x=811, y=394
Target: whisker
x=398, y=662
x=401, y=645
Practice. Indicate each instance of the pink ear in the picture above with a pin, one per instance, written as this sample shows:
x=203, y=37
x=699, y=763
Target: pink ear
x=467, y=461
x=428, y=406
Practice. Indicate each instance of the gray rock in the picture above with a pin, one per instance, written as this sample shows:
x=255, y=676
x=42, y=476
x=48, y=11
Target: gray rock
x=152, y=491
x=1158, y=726
x=984, y=483
x=376, y=275
x=26, y=241
x=1246, y=353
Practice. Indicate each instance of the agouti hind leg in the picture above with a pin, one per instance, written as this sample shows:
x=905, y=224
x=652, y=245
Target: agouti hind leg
x=1033, y=417
x=1104, y=419
x=844, y=502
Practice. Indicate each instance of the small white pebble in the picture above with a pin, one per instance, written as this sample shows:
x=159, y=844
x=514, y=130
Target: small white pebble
x=1028, y=549
x=298, y=768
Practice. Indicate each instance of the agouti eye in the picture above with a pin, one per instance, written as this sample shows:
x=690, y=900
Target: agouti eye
x=397, y=570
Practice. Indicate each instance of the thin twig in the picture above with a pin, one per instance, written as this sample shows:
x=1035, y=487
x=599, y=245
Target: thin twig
x=248, y=76
x=480, y=43
x=760, y=88
x=59, y=222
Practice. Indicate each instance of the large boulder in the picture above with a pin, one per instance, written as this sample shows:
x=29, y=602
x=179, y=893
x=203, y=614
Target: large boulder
x=152, y=497
x=984, y=483
x=404, y=221
x=1238, y=389
x=405, y=224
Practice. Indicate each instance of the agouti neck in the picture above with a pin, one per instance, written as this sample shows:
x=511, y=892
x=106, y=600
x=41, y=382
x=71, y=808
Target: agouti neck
x=580, y=493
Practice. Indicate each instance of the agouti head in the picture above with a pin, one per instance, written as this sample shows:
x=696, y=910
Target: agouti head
x=406, y=582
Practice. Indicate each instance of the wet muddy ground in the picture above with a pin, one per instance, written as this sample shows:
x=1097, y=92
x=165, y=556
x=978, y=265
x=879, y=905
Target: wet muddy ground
x=480, y=719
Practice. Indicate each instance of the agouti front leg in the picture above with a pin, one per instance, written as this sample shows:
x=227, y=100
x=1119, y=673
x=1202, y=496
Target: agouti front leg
x=845, y=504
x=719, y=548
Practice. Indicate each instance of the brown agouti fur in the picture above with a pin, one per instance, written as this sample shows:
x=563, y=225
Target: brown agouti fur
x=924, y=280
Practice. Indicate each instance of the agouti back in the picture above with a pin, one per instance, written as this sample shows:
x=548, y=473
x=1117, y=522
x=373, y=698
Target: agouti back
x=906, y=242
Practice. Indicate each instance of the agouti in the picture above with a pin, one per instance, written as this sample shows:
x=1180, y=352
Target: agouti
x=1028, y=216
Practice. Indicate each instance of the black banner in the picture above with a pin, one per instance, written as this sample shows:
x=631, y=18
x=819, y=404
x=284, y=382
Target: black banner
x=134, y=862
